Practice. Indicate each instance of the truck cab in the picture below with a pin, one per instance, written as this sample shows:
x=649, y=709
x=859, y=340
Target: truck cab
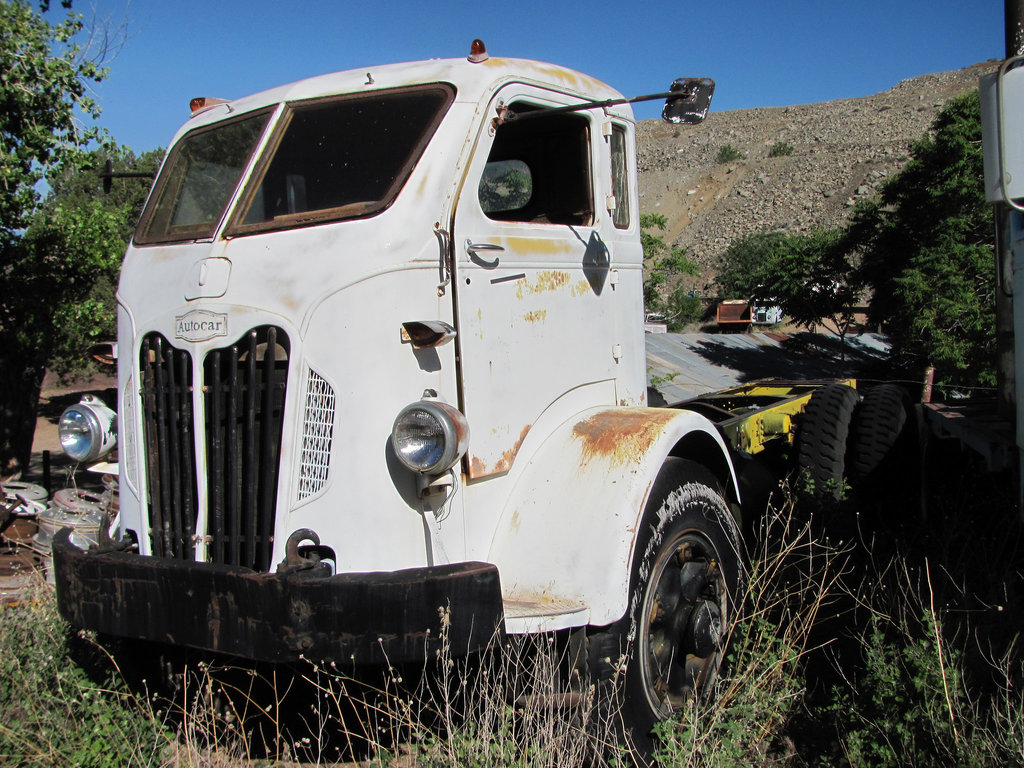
x=382, y=378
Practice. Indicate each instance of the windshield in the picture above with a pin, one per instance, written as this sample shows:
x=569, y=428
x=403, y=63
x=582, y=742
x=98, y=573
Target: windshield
x=329, y=159
x=341, y=158
x=197, y=181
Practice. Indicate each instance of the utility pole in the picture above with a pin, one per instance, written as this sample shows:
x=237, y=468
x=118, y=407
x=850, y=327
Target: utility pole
x=1013, y=15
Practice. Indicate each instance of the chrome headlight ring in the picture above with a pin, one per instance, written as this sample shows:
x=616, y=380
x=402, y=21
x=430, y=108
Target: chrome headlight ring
x=88, y=429
x=430, y=436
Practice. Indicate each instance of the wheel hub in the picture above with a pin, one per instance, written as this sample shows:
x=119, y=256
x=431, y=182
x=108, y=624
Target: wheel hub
x=684, y=631
x=704, y=630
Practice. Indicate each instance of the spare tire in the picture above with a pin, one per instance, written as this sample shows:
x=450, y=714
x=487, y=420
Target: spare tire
x=821, y=440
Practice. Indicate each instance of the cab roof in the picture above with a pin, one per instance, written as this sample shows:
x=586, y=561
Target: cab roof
x=473, y=81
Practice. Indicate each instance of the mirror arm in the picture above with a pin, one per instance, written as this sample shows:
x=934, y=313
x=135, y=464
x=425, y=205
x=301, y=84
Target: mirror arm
x=509, y=115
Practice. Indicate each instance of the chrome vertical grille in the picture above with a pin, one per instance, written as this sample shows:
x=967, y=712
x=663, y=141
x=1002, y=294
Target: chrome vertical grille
x=244, y=401
x=244, y=387
x=169, y=447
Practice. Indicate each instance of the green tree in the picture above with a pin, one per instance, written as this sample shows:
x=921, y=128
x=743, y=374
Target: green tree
x=748, y=262
x=811, y=277
x=51, y=257
x=664, y=265
x=927, y=252
x=81, y=232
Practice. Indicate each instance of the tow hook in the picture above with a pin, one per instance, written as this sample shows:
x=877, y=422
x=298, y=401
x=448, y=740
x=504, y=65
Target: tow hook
x=293, y=560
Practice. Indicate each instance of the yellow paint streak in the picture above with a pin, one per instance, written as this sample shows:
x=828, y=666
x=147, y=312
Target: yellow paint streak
x=526, y=246
x=621, y=436
x=547, y=280
x=537, y=316
x=582, y=288
x=576, y=80
x=551, y=281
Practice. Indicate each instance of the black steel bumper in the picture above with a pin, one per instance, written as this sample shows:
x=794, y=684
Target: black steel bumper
x=362, y=618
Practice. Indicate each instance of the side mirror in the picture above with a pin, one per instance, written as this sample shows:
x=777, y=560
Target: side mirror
x=689, y=100
x=1002, y=131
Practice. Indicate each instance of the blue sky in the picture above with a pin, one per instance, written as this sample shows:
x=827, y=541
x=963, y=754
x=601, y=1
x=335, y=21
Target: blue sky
x=759, y=53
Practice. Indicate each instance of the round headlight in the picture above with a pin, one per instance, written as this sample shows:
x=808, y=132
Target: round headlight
x=87, y=430
x=430, y=436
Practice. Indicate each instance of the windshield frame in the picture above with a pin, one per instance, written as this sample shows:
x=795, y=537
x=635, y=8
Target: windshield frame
x=167, y=176
x=238, y=227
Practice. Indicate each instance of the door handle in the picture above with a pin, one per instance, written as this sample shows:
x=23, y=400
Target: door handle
x=473, y=248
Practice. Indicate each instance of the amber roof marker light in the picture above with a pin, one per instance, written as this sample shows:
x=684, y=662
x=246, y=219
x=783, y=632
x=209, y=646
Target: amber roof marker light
x=477, y=51
x=201, y=103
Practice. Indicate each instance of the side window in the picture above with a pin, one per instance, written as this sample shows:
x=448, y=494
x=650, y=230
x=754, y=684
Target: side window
x=620, y=178
x=539, y=170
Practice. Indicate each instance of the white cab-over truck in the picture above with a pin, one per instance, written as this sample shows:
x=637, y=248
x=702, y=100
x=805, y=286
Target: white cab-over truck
x=382, y=385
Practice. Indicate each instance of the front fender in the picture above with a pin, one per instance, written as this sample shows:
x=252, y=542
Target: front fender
x=567, y=532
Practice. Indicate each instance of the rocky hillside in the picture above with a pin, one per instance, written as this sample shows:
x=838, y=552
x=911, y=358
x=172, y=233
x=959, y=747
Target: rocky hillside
x=842, y=151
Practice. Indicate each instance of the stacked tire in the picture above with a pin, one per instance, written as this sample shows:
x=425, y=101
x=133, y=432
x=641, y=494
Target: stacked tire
x=878, y=433
x=845, y=441
x=822, y=441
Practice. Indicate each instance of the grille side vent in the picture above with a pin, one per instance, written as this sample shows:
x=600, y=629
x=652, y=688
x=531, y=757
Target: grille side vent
x=317, y=436
x=166, y=390
x=244, y=394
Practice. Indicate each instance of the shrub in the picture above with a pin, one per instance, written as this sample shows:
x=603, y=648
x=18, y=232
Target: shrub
x=683, y=309
x=900, y=649
x=780, y=149
x=792, y=577
x=55, y=711
x=728, y=153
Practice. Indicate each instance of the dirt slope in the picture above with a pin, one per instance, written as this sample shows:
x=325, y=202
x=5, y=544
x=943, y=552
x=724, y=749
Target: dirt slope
x=842, y=151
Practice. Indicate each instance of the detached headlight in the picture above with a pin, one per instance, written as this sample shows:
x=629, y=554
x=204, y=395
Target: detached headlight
x=430, y=436
x=87, y=430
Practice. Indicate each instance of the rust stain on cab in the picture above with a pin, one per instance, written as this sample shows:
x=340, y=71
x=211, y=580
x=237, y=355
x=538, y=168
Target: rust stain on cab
x=550, y=281
x=478, y=469
x=621, y=436
x=505, y=462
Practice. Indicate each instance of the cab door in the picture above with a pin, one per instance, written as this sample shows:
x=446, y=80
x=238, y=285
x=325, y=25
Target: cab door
x=535, y=284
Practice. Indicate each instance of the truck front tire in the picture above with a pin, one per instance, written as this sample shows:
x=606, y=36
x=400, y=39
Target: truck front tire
x=686, y=582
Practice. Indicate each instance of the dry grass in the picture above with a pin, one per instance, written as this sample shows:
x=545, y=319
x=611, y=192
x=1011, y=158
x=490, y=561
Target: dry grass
x=856, y=656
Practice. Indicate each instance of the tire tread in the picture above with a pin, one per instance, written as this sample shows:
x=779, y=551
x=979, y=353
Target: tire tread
x=822, y=437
